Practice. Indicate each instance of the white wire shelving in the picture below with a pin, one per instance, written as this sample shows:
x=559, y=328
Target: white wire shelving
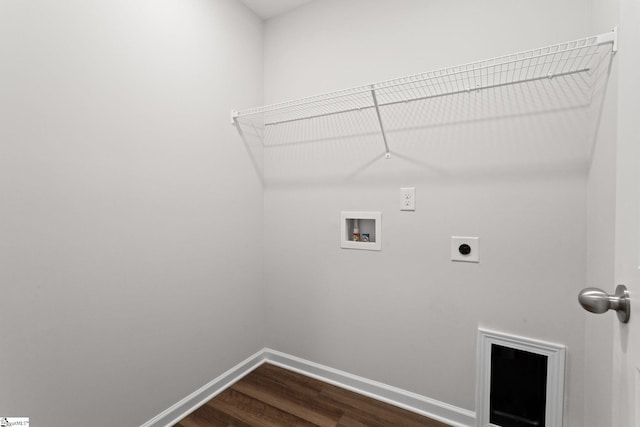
x=579, y=57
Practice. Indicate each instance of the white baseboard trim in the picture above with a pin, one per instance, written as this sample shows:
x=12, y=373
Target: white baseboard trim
x=189, y=404
x=440, y=411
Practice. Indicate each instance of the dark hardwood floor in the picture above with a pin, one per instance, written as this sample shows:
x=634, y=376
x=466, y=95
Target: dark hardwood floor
x=274, y=397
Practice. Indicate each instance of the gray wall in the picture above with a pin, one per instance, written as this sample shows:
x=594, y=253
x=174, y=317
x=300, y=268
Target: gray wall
x=506, y=167
x=130, y=213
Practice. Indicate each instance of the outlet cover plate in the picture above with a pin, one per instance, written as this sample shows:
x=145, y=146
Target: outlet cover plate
x=408, y=199
x=472, y=242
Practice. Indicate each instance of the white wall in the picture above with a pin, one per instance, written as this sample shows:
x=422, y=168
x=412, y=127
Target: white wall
x=131, y=217
x=408, y=316
x=130, y=213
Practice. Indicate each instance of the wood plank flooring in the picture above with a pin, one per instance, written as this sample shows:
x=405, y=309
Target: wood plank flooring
x=274, y=397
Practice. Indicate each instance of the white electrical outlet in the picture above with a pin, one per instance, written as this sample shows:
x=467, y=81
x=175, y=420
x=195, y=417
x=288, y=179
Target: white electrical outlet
x=408, y=199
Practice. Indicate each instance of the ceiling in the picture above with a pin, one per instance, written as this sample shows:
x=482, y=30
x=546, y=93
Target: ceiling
x=269, y=8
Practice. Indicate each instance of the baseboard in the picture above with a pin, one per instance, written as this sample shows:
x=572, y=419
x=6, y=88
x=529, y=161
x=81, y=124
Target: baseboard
x=440, y=411
x=184, y=407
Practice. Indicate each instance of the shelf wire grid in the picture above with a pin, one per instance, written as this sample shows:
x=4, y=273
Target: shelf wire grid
x=579, y=60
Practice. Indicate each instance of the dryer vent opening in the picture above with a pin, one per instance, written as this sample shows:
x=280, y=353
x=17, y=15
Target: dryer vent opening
x=518, y=387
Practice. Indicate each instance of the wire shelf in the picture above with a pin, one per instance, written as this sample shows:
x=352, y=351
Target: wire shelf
x=579, y=58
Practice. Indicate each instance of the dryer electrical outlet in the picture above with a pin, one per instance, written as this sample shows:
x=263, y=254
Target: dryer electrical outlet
x=465, y=249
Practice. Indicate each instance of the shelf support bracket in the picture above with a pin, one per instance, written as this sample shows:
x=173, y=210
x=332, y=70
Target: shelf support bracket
x=256, y=131
x=234, y=118
x=234, y=123
x=387, y=154
x=610, y=37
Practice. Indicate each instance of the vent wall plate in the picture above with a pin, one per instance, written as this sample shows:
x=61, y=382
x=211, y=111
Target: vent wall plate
x=555, y=354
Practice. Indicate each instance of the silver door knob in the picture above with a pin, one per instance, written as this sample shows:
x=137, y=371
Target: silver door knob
x=598, y=301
